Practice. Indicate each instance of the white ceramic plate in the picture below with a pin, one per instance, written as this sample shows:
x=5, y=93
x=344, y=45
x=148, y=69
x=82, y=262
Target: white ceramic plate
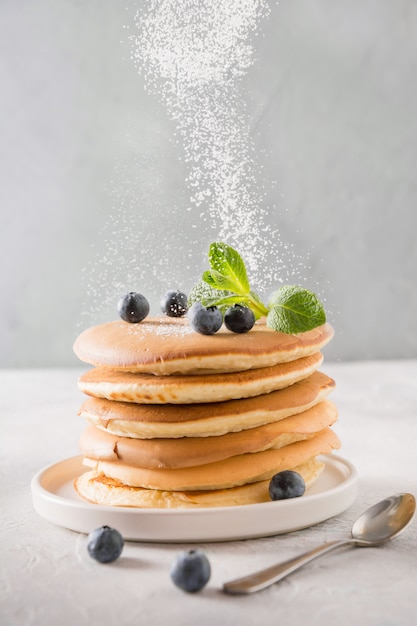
x=55, y=499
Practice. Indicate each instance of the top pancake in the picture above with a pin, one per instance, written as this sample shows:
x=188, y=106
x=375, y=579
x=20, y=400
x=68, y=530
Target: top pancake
x=165, y=345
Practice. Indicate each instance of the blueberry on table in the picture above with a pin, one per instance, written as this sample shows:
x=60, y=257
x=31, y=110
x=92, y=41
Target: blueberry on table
x=286, y=484
x=190, y=570
x=239, y=319
x=205, y=321
x=105, y=544
x=133, y=307
x=174, y=304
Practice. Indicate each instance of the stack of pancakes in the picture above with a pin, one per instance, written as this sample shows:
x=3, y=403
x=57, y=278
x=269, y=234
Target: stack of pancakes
x=180, y=419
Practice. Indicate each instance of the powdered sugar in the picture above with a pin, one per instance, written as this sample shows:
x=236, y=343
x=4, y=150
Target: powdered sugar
x=161, y=327
x=194, y=57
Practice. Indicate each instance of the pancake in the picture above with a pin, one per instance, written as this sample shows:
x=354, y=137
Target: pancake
x=164, y=346
x=205, y=419
x=178, y=389
x=232, y=472
x=98, y=489
x=190, y=451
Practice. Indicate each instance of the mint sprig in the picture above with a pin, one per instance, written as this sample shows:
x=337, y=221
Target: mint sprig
x=292, y=309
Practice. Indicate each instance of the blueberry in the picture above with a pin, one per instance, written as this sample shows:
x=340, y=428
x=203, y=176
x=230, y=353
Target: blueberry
x=133, y=307
x=190, y=570
x=286, y=484
x=206, y=321
x=105, y=544
x=239, y=319
x=174, y=304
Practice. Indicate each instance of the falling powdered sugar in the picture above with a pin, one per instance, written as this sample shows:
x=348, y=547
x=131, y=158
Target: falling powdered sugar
x=194, y=57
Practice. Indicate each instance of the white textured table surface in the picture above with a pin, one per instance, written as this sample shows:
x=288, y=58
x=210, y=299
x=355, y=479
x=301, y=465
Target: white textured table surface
x=47, y=577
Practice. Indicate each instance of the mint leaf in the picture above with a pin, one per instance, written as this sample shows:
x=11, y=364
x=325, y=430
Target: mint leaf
x=229, y=276
x=226, y=301
x=294, y=309
x=227, y=262
x=257, y=306
x=217, y=281
x=208, y=296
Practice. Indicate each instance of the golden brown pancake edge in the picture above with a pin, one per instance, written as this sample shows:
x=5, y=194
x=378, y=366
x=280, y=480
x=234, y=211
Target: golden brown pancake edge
x=232, y=472
x=150, y=389
x=299, y=395
x=187, y=452
x=98, y=489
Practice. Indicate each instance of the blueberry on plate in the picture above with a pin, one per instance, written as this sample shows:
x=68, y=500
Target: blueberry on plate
x=105, y=544
x=286, y=484
x=239, y=319
x=174, y=304
x=133, y=307
x=190, y=570
x=205, y=321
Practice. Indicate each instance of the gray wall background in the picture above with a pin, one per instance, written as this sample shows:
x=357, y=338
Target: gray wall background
x=332, y=101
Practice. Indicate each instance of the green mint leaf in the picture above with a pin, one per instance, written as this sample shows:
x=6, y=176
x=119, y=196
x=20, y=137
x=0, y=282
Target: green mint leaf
x=294, y=309
x=208, y=296
x=257, y=306
x=228, y=274
x=226, y=301
x=227, y=262
x=218, y=281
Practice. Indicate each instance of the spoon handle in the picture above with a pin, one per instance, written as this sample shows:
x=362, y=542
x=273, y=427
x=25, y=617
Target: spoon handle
x=266, y=577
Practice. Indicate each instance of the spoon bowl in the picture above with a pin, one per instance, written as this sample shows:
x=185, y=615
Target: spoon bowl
x=385, y=520
x=381, y=522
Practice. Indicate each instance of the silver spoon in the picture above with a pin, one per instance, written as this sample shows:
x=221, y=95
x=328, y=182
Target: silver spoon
x=380, y=522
